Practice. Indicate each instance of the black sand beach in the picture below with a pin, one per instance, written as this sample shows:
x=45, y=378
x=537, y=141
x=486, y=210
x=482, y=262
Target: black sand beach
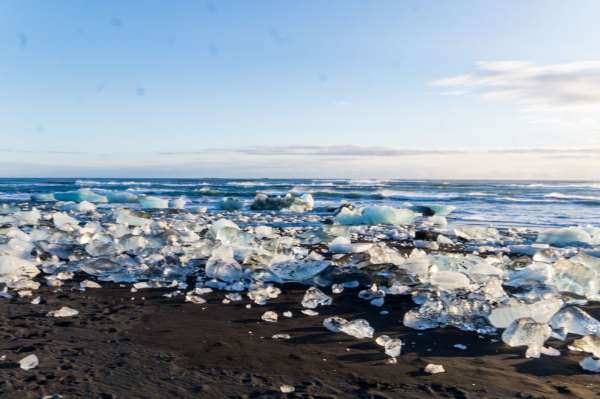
x=144, y=345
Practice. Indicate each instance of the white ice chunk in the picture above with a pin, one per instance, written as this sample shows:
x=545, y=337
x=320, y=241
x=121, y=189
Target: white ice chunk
x=374, y=215
x=314, y=297
x=541, y=312
x=526, y=332
x=29, y=362
x=150, y=202
x=563, y=237
x=434, y=368
x=270, y=316
x=65, y=311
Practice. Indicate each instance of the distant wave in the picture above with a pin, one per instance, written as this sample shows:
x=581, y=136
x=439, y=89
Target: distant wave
x=575, y=197
x=93, y=183
x=412, y=195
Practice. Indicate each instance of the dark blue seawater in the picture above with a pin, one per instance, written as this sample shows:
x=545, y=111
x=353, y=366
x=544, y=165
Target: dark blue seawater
x=500, y=203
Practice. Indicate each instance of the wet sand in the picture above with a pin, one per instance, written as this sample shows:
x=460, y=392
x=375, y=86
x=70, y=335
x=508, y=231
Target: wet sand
x=155, y=347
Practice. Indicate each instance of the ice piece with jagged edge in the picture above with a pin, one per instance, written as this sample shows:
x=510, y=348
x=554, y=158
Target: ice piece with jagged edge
x=542, y=311
x=572, y=320
x=314, y=297
x=29, y=362
x=359, y=328
x=527, y=332
x=448, y=280
x=222, y=265
x=589, y=344
x=297, y=271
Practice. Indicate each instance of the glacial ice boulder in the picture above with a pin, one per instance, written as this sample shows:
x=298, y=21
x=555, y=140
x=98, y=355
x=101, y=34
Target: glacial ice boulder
x=150, y=202
x=527, y=332
x=290, y=201
x=541, y=312
x=374, y=215
x=564, y=237
x=13, y=268
x=83, y=194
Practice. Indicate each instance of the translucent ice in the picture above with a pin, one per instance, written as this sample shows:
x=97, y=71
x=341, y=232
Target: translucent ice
x=83, y=194
x=29, y=362
x=563, y=237
x=527, y=332
x=590, y=364
x=150, y=202
x=541, y=312
x=230, y=204
x=314, y=297
x=358, y=328
x=297, y=271
x=572, y=320
x=447, y=280
x=374, y=215
x=12, y=267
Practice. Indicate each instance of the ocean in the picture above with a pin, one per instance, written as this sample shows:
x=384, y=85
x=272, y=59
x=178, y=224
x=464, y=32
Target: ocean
x=496, y=203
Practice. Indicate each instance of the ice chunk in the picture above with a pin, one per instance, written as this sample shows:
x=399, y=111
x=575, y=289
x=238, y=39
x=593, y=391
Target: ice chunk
x=126, y=217
x=374, y=215
x=64, y=222
x=29, y=362
x=270, y=316
x=291, y=201
x=261, y=294
x=589, y=343
x=590, y=364
x=30, y=218
x=314, y=297
x=572, y=320
x=65, y=311
x=222, y=265
x=12, y=268
x=393, y=347
x=83, y=206
x=309, y=312
x=434, y=368
x=527, y=332
x=83, y=194
x=281, y=336
x=43, y=197
x=541, y=312
x=119, y=197
x=89, y=284
x=358, y=328
x=297, y=271
x=575, y=277
x=447, y=280
x=178, y=203
x=287, y=388
x=340, y=245
x=563, y=237
x=150, y=202
x=230, y=204
x=536, y=272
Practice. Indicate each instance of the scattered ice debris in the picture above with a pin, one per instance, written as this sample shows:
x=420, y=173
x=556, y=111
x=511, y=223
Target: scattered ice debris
x=287, y=314
x=65, y=311
x=314, y=297
x=392, y=347
x=281, y=336
x=462, y=347
x=287, y=388
x=270, y=316
x=29, y=362
x=194, y=298
x=590, y=364
x=36, y=301
x=434, y=368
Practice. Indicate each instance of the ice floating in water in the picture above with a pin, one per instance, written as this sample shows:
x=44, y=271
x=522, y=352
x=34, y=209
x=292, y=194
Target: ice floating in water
x=230, y=204
x=314, y=297
x=374, y=215
x=83, y=194
x=290, y=201
x=43, y=197
x=527, y=332
x=29, y=362
x=120, y=197
x=150, y=202
x=178, y=203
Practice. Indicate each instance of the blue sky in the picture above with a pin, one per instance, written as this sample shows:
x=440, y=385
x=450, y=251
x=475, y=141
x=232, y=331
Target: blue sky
x=350, y=88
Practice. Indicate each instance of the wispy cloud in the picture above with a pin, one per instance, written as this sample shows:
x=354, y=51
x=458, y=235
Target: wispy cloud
x=380, y=151
x=569, y=91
